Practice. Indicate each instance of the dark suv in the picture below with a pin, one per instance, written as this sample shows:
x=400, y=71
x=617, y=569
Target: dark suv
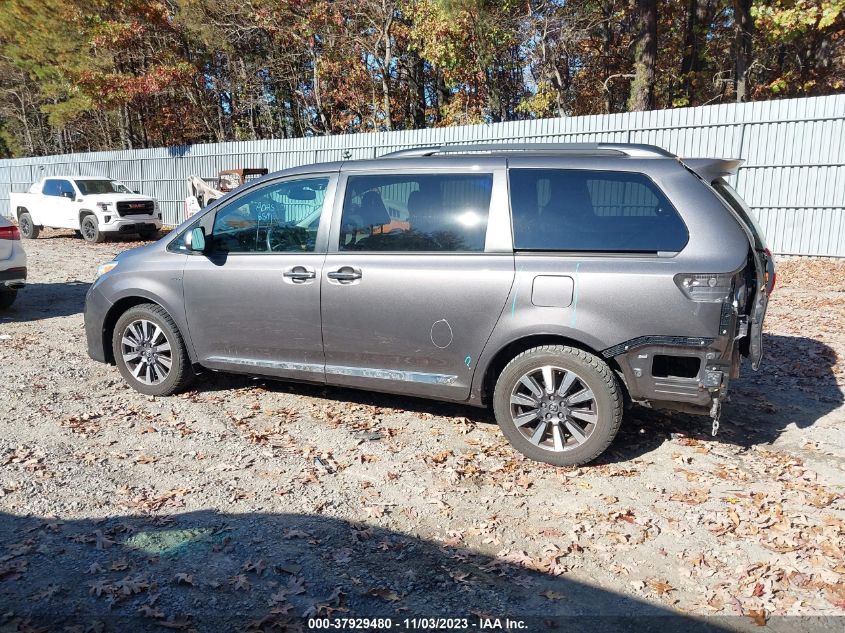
x=554, y=283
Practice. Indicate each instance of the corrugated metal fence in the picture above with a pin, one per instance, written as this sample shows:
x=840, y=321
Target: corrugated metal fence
x=793, y=177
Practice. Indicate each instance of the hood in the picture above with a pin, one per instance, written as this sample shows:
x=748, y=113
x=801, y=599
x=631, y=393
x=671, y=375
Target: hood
x=138, y=250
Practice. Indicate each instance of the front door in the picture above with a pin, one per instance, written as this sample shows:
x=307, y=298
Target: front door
x=68, y=209
x=410, y=296
x=253, y=298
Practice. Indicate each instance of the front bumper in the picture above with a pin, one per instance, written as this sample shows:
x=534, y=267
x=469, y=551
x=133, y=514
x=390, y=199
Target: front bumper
x=131, y=224
x=96, y=312
x=13, y=278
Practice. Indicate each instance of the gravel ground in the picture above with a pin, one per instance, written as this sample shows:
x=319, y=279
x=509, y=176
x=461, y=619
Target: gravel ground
x=247, y=504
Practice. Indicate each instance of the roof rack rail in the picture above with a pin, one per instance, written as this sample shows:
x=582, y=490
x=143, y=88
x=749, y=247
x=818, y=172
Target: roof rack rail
x=633, y=150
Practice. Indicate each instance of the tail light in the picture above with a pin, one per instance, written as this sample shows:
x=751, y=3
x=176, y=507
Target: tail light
x=9, y=233
x=705, y=288
x=771, y=275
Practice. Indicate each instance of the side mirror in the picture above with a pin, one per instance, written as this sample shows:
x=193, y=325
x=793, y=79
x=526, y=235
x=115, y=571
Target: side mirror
x=195, y=240
x=138, y=192
x=68, y=194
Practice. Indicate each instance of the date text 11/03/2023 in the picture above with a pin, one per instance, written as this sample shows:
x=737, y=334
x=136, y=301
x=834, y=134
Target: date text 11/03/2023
x=417, y=624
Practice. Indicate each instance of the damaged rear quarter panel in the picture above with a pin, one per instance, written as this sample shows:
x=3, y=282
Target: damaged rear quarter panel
x=619, y=297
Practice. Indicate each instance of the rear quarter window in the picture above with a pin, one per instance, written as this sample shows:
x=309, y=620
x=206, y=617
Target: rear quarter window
x=594, y=211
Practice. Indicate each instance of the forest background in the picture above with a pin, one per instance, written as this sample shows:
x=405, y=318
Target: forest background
x=97, y=75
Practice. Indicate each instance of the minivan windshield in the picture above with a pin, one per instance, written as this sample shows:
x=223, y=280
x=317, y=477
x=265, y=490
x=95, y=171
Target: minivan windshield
x=95, y=187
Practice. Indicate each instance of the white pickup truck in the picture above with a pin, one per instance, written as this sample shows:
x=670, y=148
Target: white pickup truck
x=91, y=206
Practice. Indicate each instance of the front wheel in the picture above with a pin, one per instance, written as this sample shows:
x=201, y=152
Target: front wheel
x=91, y=230
x=558, y=404
x=27, y=228
x=149, y=351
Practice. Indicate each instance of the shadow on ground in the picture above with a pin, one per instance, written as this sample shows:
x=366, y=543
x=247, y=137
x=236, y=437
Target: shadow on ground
x=268, y=572
x=39, y=301
x=795, y=385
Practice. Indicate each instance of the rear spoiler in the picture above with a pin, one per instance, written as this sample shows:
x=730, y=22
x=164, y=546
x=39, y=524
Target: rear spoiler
x=712, y=168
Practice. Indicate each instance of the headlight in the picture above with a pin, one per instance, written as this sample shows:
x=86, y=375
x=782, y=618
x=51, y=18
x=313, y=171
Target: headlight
x=104, y=206
x=102, y=269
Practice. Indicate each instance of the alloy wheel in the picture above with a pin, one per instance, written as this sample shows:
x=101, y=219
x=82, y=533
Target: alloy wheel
x=146, y=352
x=89, y=230
x=553, y=408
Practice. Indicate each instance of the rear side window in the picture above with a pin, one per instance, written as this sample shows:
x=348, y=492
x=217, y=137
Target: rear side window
x=416, y=212
x=595, y=211
x=51, y=188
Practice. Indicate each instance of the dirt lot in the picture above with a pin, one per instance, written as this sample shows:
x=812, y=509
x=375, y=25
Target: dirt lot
x=246, y=504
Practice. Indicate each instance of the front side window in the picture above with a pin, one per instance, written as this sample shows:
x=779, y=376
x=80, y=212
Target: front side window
x=595, y=211
x=416, y=212
x=281, y=217
x=66, y=189
x=95, y=187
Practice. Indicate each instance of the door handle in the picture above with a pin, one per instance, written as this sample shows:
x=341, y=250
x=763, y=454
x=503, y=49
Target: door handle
x=299, y=274
x=345, y=274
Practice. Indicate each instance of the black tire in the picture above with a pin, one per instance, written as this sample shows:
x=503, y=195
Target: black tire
x=77, y=233
x=7, y=298
x=180, y=374
x=147, y=234
x=91, y=230
x=591, y=374
x=29, y=230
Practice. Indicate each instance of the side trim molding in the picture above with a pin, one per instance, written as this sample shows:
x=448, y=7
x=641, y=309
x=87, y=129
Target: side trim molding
x=341, y=370
x=391, y=374
x=268, y=364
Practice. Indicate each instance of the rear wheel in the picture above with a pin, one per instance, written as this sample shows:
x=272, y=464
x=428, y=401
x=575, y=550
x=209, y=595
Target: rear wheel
x=7, y=298
x=150, y=352
x=91, y=230
x=558, y=404
x=27, y=228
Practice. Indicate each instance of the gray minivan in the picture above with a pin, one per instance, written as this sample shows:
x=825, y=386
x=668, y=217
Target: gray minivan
x=553, y=283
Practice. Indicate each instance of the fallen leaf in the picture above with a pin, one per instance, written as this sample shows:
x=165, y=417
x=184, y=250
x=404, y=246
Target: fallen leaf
x=240, y=582
x=660, y=587
x=383, y=593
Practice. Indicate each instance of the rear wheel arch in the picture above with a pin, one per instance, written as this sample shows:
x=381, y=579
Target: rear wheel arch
x=558, y=404
x=28, y=228
x=514, y=348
